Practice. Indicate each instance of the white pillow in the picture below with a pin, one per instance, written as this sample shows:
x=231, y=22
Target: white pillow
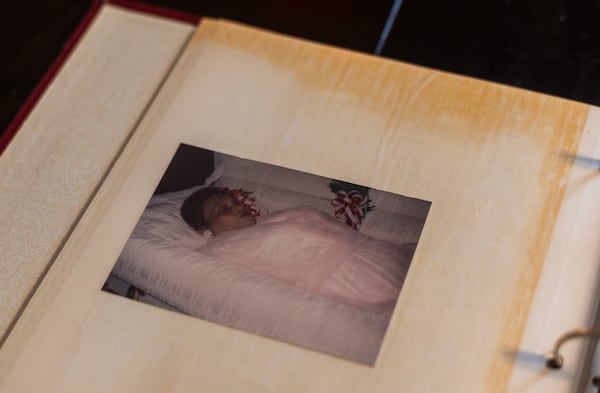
x=162, y=220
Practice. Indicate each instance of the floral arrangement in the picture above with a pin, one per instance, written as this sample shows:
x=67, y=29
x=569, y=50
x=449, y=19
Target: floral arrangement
x=351, y=202
x=245, y=198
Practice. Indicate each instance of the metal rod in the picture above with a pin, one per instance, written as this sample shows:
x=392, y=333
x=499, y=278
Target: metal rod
x=389, y=23
x=556, y=360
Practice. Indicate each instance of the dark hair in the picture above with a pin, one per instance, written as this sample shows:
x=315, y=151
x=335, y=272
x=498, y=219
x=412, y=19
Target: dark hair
x=192, y=208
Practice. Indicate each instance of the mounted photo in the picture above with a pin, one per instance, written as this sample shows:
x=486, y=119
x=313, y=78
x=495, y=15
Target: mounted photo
x=304, y=259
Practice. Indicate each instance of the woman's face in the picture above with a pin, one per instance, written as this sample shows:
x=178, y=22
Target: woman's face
x=223, y=213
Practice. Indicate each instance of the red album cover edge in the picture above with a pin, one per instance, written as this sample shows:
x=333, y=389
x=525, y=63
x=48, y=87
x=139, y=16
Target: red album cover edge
x=68, y=48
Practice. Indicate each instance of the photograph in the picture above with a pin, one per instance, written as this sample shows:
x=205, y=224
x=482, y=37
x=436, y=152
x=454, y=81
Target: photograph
x=304, y=259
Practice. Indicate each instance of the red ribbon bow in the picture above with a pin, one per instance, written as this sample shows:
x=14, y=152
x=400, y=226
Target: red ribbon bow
x=351, y=207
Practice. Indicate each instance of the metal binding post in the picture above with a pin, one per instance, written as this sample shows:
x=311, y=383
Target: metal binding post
x=555, y=361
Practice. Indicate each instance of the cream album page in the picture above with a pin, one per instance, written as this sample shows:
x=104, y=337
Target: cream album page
x=494, y=166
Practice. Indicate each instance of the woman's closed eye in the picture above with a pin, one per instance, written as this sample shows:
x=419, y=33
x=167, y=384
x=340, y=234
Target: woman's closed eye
x=221, y=208
x=226, y=206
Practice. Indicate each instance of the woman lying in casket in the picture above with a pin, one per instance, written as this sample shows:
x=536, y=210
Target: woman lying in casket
x=302, y=247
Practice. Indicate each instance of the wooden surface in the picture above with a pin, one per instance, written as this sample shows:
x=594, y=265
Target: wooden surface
x=489, y=158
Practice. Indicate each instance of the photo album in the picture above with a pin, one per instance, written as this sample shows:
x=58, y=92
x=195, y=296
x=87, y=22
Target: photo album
x=279, y=215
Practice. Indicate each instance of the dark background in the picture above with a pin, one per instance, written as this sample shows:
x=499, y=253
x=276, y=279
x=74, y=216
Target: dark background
x=550, y=46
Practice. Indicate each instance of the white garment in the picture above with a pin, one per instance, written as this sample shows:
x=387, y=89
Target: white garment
x=305, y=248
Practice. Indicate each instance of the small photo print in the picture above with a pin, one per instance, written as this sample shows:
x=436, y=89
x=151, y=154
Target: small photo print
x=303, y=259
